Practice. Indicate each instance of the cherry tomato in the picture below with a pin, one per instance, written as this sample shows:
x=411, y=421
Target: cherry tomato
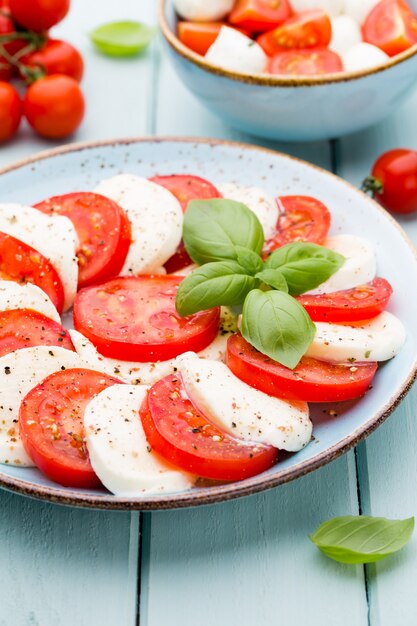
x=391, y=26
x=10, y=111
x=198, y=36
x=309, y=29
x=394, y=180
x=56, y=57
x=38, y=15
x=311, y=380
x=12, y=47
x=260, y=15
x=186, y=438
x=305, y=62
x=52, y=429
x=54, y=106
x=134, y=319
x=103, y=230
x=360, y=303
x=25, y=328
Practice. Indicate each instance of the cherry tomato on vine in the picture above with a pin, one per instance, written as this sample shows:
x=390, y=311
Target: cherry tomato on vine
x=7, y=28
x=56, y=57
x=394, y=180
x=38, y=15
x=10, y=111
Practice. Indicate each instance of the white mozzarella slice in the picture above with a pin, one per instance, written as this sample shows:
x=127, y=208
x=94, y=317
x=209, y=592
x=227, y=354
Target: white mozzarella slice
x=20, y=371
x=156, y=219
x=119, y=452
x=359, y=267
x=264, y=207
x=346, y=33
x=186, y=271
x=234, y=51
x=331, y=7
x=203, y=10
x=242, y=410
x=363, y=56
x=15, y=296
x=53, y=236
x=359, y=9
x=378, y=340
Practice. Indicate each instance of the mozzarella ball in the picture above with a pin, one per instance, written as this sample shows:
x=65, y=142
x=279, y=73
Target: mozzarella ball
x=359, y=9
x=363, y=56
x=203, y=10
x=345, y=34
x=234, y=51
x=332, y=7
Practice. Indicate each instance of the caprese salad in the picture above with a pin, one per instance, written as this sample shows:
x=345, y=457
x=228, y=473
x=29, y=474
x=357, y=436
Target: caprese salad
x=205, y=319
x=296, y=37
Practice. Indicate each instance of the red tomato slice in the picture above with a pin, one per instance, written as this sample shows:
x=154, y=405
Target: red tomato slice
x=52, y=429
x=260, y=15
x=134, y=319
x=311, y=380
x=186, y=438
x=391, y=26
x=199, y=36
x=25, y=328
x=360, y=303
x=23, y=264
x=309, y=29
x=103, y=230
x=301, y=218
x=305, y=62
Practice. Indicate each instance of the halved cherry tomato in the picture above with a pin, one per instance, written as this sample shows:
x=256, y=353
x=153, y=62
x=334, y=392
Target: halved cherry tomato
x=360, y=303
x=134, y=319
x=305, y=62
x=199, y=36
x=301, y=218
x=25, y=328
x=185, y=437
x=56, y=57
x=394, y=180
x=309, y=29
x=10, y=111
x=52, y=428
x=391, y=26
x=311, y=380
x=38, y=15
x=260, y=15
x=23, y=264
x=103, y=230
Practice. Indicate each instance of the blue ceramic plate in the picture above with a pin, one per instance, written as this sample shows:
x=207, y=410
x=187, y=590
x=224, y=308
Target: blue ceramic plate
x=81, y=167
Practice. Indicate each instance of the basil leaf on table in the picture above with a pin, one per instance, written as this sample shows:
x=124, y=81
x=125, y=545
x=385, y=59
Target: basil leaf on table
x=304, y=266
x=274, y=279
x=362, y=539
x=277, y=325
x=122, y=38
x=214, y=230
x=213, y=284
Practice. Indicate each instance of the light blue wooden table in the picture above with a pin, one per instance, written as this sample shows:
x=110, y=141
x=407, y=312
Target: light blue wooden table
x=247, y=562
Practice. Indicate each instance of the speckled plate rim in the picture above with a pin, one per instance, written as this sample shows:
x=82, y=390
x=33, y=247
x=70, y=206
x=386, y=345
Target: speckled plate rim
x=216, y=493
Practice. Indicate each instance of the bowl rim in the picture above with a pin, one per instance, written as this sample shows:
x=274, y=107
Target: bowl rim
x=229, y=491
x=270, y=80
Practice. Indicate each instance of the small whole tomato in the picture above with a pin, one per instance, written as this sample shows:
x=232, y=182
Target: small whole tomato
x=393, y=181
x=10, y=111
x=38, y=15
x=54, y=106
x=7, y=28
x=56, y=57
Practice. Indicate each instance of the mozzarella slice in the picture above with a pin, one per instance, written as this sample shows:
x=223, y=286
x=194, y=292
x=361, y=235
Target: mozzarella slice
x=264, y=207
x=359, y=9
x=234, y=51
x=242, y=410
x=156, y=219
x=331, y=7
x=53, y=236
x=15, y=296
x=186, y=271
x=363, y=56
x=20, y=371
x=203, y=10
x=359, y=267
x=378, y=340
x=346, y=33
x=119, y=452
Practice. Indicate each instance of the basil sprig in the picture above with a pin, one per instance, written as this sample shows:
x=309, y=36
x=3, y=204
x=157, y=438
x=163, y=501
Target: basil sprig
x=362, y=539
x=226, y=239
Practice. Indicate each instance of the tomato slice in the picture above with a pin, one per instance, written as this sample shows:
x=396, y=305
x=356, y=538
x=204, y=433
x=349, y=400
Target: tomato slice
x=23, y=264
x=103, y=230
x=309, y=29
x=260, y=15
x=391, y=26
x=25, y=328
x=301, y=218
x=185, y=437
x=310, y=381
x=134, y=319
x=305, y=62
x=52, y=429
x=361, y=303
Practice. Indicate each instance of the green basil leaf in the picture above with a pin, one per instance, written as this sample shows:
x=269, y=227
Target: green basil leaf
x=119, y=39
x=362, y=539
x=305, y=266
x=274, y=279
x=248, y=259
x=213, y=229
x=277, y=325
x=213, y=284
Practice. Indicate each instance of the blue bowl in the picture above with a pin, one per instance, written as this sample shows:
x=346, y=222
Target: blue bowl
x=292, y=108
